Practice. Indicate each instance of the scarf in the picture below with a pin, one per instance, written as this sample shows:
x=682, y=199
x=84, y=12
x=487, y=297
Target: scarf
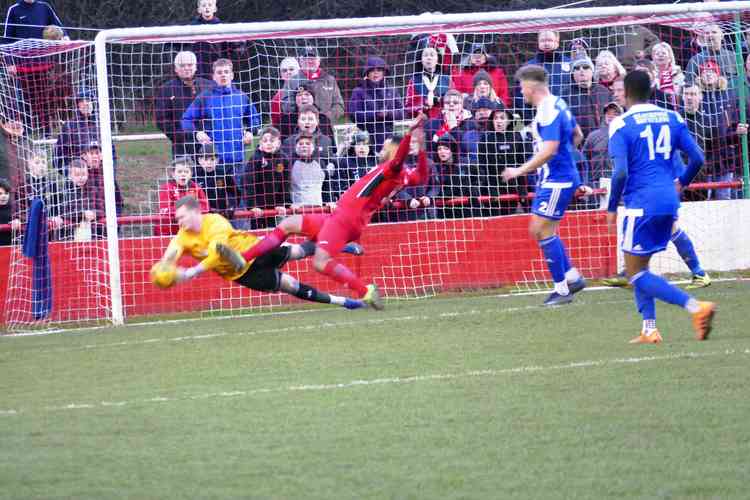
x=430, y=84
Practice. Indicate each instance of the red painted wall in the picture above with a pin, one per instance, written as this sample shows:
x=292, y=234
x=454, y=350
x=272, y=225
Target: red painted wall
x=406, y=258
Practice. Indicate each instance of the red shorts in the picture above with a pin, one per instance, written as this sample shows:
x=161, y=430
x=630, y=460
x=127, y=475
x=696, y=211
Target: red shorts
x=330, y=232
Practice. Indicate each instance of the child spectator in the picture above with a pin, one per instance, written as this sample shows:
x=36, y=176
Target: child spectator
x=499, y=148
x=206, y=52
x=479, y=60
x=266, y=184
x=419, y=199
x=322, y=84
x=219, y=186
x=83, y=205
x=458, y=122
x=226, y=117
x=266, y=181
x=375, y=105
x=172, y=190
x=38, y=183
x=6, y=212
x=303, y=98
x=452, y=180
x=307, y=186
x=355, y=163
x=584, y=97
x=670, y=77
x=173, y=99
x=287, y=69
x=608, y=69
x=482, y=108
x=308, y=123
x=482, y=89
x=427, y=86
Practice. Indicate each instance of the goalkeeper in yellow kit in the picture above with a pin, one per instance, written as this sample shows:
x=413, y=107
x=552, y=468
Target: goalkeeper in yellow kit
x=198, y=235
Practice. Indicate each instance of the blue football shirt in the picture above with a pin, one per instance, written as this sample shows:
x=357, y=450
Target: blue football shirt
x=647, y=139
x=555, y=122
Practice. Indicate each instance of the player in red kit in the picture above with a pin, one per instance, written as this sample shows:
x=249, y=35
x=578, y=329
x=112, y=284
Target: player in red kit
x=353, y=212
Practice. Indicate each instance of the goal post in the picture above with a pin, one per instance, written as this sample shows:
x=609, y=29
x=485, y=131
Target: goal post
x=465, y=230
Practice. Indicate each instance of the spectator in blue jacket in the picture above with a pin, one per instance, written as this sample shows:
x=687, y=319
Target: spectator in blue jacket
x=27, y=19
x=374, y=104
x=223, y=116
x=557, y=64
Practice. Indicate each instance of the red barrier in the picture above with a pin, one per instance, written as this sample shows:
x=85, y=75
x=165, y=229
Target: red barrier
x=404, y=258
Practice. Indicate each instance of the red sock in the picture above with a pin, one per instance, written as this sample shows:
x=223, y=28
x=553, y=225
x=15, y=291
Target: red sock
x=342, y=274
x=271, y=241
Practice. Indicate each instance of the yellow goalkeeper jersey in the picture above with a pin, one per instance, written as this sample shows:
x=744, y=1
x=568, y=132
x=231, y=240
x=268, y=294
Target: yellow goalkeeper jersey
x=202, y=245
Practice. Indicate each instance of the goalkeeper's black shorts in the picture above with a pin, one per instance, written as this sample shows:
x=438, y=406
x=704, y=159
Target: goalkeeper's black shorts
x=264, y=273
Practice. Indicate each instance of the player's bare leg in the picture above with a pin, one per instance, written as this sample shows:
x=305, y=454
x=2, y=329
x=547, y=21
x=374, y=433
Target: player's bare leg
x=568, y=280
x=647, y=287
x=302, y=291
x=325, y=264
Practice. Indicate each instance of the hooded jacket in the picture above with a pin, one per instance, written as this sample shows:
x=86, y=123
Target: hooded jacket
x=226, y=112
x=375, y=106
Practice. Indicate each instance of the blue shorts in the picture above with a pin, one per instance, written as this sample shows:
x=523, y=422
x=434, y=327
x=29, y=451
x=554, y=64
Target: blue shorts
x=552, y=198
x=645, y=234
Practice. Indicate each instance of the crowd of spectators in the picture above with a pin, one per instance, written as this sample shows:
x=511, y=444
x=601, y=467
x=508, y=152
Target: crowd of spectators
x=478, y=124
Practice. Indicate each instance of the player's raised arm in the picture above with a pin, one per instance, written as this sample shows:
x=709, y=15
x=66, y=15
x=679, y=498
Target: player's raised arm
x=402, y=152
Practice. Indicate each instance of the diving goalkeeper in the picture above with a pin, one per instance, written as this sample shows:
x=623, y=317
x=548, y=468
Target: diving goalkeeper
x=200, y=233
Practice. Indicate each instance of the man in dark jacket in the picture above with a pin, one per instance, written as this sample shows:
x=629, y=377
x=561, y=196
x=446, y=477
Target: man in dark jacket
x=557, y=64
x=374, y=104
x=27, y=19
x=584, y=97
x=459, y=123
x=173, y=99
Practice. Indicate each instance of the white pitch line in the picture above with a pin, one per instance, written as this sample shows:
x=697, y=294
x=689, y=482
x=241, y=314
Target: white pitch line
x=396, y=380
x=317, y=327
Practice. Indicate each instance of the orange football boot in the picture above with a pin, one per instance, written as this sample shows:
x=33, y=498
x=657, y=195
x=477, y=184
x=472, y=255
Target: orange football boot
x=702, y=320
x=653, y=338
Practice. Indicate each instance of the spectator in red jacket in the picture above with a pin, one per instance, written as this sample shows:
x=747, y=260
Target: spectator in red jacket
x=477, y=60
x=171, y=191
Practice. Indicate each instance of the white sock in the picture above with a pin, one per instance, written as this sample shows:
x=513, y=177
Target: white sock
x=337, y=299
x=649, y=325
x=692, y=306
x=562, y=288
x=572, y=275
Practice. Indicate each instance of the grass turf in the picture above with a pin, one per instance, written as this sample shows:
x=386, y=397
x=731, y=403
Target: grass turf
x=460, y=397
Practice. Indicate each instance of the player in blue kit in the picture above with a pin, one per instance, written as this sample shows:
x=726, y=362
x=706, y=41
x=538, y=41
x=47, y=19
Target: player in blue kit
x=642, y=143
x=555, y=131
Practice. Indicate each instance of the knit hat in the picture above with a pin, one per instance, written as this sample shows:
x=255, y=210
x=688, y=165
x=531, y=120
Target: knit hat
x=481, y=75
x=361, y=137
x=582, y=61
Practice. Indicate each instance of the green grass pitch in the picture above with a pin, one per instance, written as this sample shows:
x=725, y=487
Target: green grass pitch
x=452, y=397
